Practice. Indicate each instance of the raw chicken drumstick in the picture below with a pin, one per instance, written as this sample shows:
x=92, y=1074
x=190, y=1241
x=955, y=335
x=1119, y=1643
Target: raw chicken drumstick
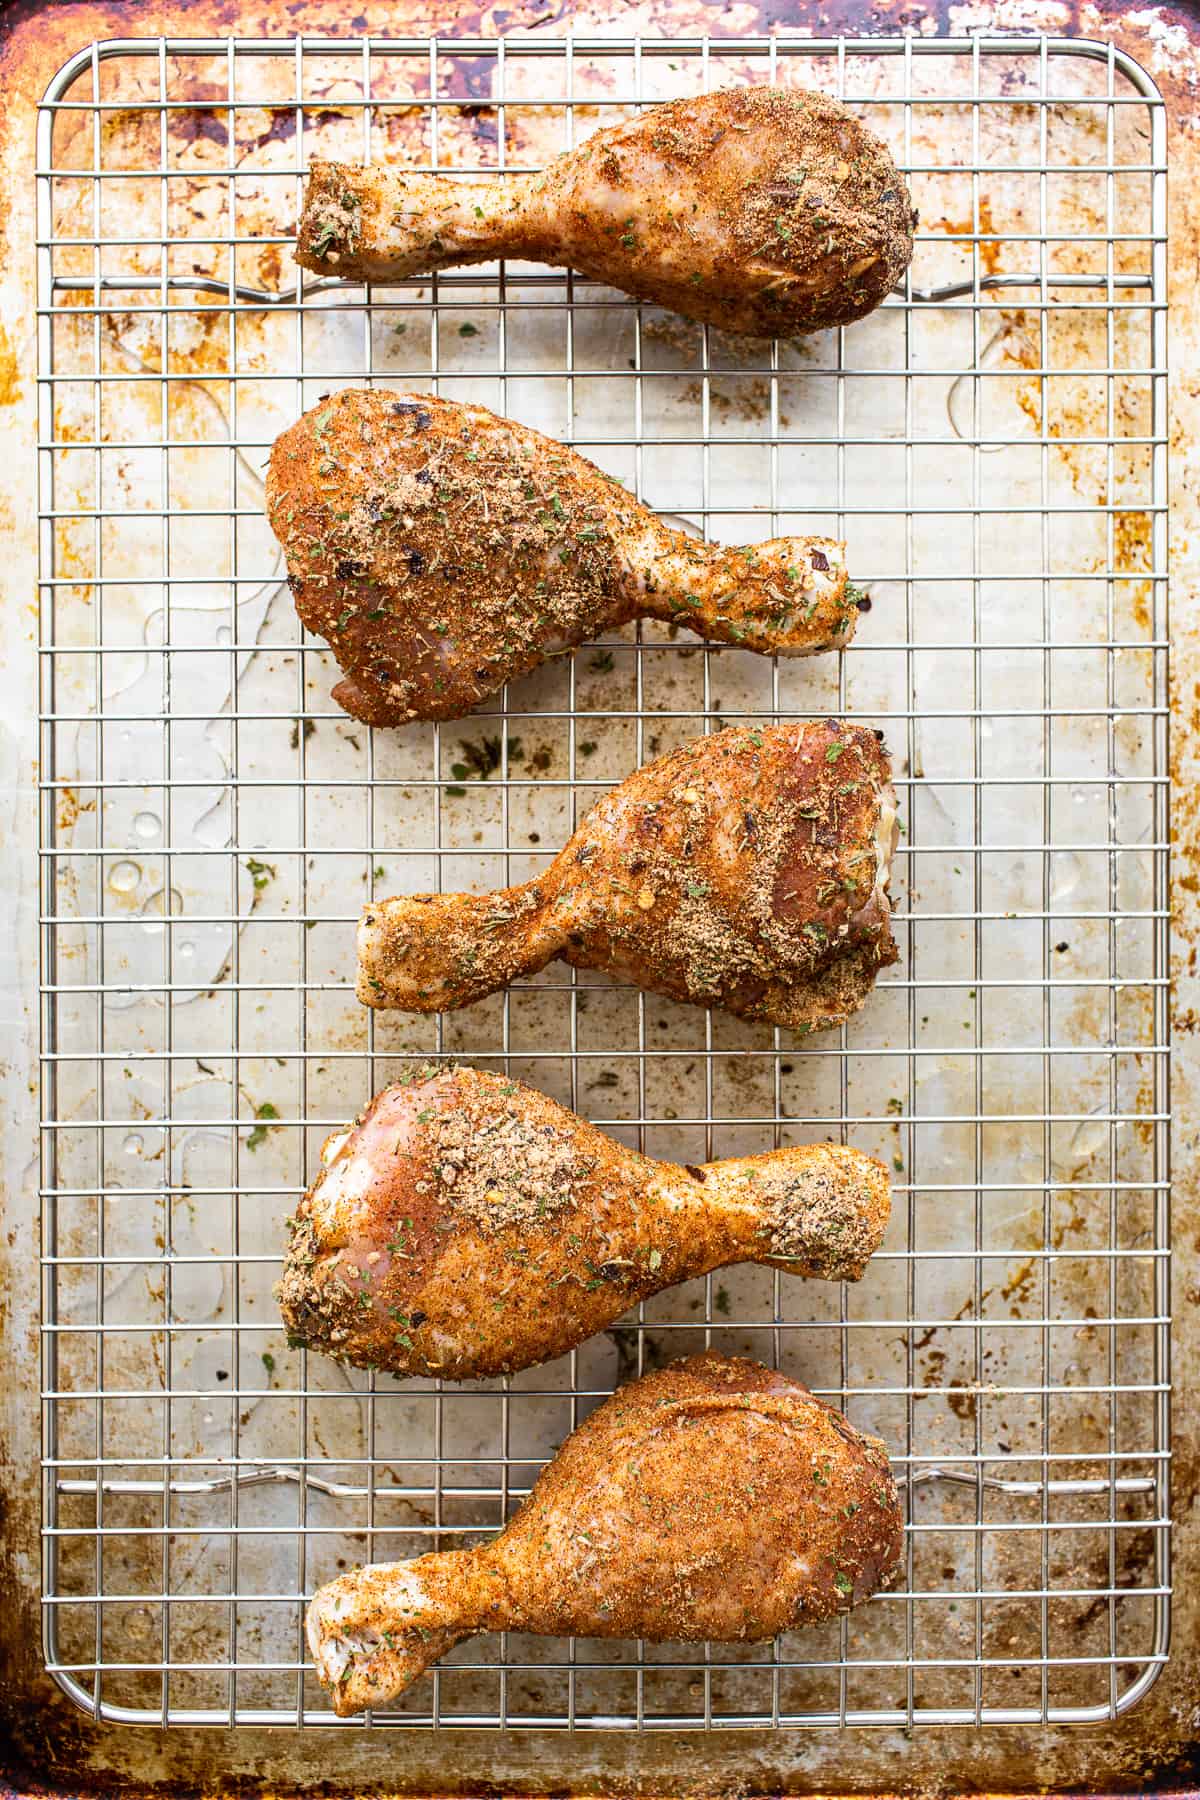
x=443, y=551
x=754, y=209
x=747, y=870
x=468, y=1225
x=714, y=1499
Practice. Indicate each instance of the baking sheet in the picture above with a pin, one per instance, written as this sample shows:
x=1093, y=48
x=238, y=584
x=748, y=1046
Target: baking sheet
x=1145, y=1734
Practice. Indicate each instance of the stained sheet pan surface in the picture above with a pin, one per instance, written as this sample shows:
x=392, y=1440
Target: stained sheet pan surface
x=746, y=413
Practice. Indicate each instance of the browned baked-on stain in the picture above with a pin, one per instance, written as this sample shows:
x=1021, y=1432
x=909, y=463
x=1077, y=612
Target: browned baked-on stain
x=70, y=806
x=10, y=385
x=1020, y=1283
x=961, y=1402
x=991, y=250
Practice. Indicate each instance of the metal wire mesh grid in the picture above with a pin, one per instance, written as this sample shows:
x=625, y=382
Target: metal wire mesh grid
x=211, y=824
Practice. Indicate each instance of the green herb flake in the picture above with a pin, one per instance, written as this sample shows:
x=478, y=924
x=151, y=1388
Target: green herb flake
x=259, y=1133
x=260, y=872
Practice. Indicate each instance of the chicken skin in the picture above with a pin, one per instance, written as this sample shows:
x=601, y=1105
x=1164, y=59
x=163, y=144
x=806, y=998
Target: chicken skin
x=714, y=1499
x=747, y=870
x=468, y=1225
x=443, y=551
x=754, y=209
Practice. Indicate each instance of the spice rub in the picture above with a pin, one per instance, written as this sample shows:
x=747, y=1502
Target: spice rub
x=442, y=551
x=711, y=1499
x=468, y=1225
x=755, y=209
x=748, y=870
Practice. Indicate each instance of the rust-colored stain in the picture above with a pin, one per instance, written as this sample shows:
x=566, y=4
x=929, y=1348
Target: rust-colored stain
x=991, y=250
x=10, y=382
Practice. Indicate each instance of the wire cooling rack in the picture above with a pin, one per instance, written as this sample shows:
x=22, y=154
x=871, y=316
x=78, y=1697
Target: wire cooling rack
x=993, y=446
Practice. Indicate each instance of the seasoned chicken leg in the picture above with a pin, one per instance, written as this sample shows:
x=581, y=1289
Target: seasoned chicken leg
x=467, y=1225
x=714, y=1499
x=443, y=551
x=747, y=870
x=753, y=209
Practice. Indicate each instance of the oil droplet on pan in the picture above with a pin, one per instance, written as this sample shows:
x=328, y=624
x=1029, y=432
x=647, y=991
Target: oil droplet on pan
x=124, y=876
